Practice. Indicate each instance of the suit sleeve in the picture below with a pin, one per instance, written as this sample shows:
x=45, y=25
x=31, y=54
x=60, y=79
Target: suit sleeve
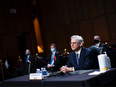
x=69, y=62
x=87, y=63
x=58, y=59
x=32, y=61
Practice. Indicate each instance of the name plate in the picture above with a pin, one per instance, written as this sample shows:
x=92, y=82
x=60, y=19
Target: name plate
x=35, y=76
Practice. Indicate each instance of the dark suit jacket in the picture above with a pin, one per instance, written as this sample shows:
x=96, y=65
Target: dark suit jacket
x=85, y=60
x=57, y=62
x=95, y=52
x=104, y=47
x=32, y=59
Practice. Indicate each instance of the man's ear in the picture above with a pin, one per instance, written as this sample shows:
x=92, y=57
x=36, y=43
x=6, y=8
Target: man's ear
x=81, y=44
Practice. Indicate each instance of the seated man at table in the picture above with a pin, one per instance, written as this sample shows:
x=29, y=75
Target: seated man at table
x=79, y=58
x=55, y=59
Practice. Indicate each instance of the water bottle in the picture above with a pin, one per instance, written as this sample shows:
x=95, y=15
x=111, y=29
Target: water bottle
x=109, y=63
x=37, y=70
x=44, y=71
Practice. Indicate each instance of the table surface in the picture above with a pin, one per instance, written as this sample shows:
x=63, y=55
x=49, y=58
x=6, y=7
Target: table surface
x=80, y=80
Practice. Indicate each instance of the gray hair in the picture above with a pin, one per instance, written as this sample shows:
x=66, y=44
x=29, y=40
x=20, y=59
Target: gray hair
x=78, y=38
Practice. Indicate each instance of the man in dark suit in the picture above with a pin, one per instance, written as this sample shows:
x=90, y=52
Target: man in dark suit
x=98, y=44
x=55, y=59
x=30, y=58
x=80, y=58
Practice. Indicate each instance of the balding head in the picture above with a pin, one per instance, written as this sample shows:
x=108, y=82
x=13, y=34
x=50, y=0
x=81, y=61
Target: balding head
x=97, y=39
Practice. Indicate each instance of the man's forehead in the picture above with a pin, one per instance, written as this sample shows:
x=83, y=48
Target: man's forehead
x=96, y=37
x=28, y=50
x=52, y=46
x=74, y=39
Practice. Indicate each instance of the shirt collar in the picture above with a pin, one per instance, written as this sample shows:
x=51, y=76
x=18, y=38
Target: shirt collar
x=54, y=52
x=78, y=51
x=28, y=56
x=97, y=45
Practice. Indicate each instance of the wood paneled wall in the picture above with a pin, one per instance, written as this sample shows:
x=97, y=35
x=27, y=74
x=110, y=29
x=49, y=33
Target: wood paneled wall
x=12, y=24
x=60, y=19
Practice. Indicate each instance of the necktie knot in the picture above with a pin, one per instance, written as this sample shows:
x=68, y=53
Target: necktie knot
x=77, y=54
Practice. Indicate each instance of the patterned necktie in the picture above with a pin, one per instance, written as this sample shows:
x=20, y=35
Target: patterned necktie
x=52, y=58
x=77, y=59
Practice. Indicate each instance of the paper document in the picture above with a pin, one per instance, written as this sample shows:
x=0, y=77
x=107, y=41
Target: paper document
x=95, y=73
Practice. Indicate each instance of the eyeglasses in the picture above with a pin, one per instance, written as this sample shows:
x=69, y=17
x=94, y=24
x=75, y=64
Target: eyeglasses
x=73, y=43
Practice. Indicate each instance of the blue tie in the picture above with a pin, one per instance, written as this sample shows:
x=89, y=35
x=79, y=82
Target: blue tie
x=27, y=59
x=77, y=59
x=52, y=58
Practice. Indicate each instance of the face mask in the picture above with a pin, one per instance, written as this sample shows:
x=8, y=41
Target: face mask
x=52, y=49
x=27, y=53
x=96, y=41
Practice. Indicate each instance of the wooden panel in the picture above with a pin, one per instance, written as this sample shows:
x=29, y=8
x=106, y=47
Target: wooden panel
x=49, y=39
x=93, y=7
x=86, y=8
x=100, y=28
x=72, y=29
x=61, y=15
x=100, y=7
x=18, y=16
x=86, y=31
x=25, y=15
x=61, y=37
x=49, y=13
x=9, y=19
x=78, y=10
x=115, y=4
x=72, y=16
x=2, y=22
x=10, y=44
x=109, y=6
x=65, y=12
x=55, y=16
x=41, y=8
x=28, y=42
x=1, y=53
x=112, y=20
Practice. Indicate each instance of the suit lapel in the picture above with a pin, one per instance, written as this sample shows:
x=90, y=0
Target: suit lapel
x=50, y=58
x=82, y=54
x=74, y=60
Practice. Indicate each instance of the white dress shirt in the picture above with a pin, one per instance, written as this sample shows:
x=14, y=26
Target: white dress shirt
x=6, y=64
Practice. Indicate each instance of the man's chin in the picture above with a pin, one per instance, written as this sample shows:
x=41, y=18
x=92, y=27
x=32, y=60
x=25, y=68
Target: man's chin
x=73, y=49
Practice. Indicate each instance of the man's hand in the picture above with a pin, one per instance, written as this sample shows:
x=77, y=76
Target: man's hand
x=65, y=69
x=49, y=66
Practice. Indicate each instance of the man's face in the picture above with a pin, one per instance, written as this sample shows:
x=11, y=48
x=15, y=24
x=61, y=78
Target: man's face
x=52, y=47
x=75, y=45
x=96, y=38
x=27, y=52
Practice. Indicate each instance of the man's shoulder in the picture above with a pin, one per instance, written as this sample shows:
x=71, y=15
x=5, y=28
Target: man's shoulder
x=101, y=45
x=85, y=50
x=31, y=56
x=57, y=52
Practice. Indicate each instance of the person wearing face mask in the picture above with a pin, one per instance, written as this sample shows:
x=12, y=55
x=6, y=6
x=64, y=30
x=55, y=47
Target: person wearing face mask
x=98, y=44
x=55, y=59
x=30, y=58
x=97, y=49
